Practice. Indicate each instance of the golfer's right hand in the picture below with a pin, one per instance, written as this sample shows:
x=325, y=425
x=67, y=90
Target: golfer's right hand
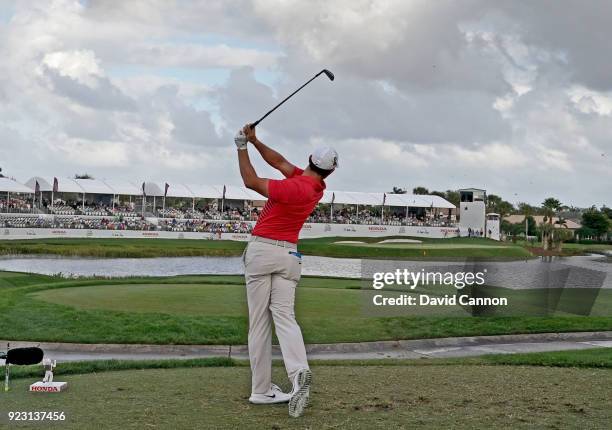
x=240, y=140
x=249, y=133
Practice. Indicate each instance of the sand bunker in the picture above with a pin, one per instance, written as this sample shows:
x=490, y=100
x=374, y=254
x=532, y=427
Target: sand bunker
x=400, y=241
x=348, y=241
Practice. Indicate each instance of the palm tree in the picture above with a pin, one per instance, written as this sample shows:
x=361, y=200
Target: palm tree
x=550, y=206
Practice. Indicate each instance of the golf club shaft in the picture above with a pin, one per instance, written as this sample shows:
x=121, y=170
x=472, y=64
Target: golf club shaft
x=286, y=98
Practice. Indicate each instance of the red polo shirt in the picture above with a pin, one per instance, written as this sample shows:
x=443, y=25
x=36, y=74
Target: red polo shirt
x=290, y=202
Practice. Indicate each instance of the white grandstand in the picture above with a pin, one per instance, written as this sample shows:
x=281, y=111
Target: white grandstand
x=100, y=204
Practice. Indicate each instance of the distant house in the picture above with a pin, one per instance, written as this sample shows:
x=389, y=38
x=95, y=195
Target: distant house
x=539, y=219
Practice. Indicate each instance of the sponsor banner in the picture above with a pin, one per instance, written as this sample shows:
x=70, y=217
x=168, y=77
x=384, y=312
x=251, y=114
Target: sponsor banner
x=310, y=230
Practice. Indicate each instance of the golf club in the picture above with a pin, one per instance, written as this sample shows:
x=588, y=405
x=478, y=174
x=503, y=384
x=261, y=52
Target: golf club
x=329, y=74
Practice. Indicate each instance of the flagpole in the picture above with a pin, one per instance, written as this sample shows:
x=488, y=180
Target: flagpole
x=223, y=201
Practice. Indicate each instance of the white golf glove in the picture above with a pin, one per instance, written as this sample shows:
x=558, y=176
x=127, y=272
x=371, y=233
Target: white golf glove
x=240, y=140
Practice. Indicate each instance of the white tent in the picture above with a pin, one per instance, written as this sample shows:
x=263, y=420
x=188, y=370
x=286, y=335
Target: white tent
x=152, y=189
x=94, y=186
x=437, y=202
x=123, y=188
x=410, y=200
x=178, y=190
x=352, y=198
x=233, y=192
x=8, y=185
x=206, y=191
x=64, y=185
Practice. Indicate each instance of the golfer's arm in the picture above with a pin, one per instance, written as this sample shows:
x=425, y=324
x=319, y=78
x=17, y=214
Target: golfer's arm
x=274, y=159
x=249, y=176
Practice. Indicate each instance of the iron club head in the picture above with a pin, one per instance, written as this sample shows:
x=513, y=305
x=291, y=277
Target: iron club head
x=329, y=74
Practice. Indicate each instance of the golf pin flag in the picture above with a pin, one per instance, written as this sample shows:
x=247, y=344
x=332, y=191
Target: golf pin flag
x=37, y=188
x=144, y=193
x=224, y=189
x=166, y=189
x=333, y=198
x=55, y=185
x=384, y=198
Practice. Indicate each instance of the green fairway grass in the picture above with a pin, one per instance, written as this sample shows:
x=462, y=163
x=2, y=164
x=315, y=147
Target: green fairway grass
x=211, y=310
x=579, y=248
x=452, y=248
x=343, y=396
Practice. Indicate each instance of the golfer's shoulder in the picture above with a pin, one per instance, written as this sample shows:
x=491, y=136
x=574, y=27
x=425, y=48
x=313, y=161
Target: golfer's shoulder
x=300, y=185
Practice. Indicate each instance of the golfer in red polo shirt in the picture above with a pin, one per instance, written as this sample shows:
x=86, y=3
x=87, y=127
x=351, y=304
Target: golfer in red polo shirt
x=273, y=266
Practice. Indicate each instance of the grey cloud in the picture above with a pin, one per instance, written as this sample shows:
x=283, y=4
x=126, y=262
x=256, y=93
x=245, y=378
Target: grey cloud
x=105, y=96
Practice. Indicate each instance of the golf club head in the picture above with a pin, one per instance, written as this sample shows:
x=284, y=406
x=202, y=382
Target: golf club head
x=329, y=74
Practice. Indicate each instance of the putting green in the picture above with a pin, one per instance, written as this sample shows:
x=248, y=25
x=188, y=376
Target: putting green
x=198, y=299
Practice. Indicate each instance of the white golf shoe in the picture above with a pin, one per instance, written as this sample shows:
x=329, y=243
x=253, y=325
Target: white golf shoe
x=300, y=393
x=276, y=396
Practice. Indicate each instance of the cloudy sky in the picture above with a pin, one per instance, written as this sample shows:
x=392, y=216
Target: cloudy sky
x=514, y=97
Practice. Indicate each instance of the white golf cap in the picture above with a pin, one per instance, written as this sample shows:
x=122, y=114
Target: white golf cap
x=325, y=157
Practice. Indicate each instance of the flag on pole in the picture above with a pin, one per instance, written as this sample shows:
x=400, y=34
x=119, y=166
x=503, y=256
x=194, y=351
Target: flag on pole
x=55, y=185
x=223, y=200
x=333, y=198
x=384, y=198
x=144, y=193
x=37, y=188
x=166, y=189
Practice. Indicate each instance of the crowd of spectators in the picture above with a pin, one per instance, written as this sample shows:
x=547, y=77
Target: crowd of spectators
x=15, y=205
x=205, y=218
x=120, y=223
x=368, y=217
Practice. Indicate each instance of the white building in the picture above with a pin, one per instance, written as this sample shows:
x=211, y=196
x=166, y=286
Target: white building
x=472, y=218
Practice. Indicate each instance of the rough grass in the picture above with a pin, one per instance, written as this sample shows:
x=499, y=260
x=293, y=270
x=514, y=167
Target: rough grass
x=430, y=249
x=210, y=310
x=344, y=396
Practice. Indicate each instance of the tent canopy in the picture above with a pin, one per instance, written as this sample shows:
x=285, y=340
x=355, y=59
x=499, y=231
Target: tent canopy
x=8, y=185
x=437, y=201
x=233, y=192
x=205, y=191
x=64, y=185
x=177, y=190
x=94, y=186
x=376, y=199
x=122, y=187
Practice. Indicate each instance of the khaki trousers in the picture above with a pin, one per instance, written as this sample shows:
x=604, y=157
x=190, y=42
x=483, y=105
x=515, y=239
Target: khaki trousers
x=272, y=273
